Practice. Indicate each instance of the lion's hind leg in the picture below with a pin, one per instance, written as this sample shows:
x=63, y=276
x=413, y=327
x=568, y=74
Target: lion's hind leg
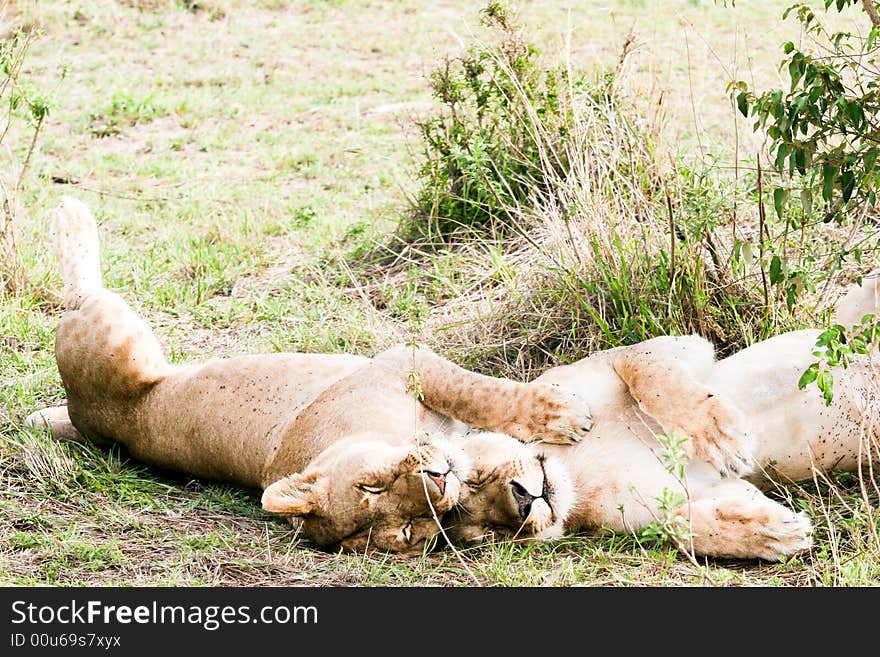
x=106, y=354
x=734, y=519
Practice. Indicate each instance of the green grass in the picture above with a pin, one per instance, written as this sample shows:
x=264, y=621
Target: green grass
x=236, y=157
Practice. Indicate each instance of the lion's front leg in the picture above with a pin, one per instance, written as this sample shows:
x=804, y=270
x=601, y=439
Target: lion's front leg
x=527, y=411
x=664, y=376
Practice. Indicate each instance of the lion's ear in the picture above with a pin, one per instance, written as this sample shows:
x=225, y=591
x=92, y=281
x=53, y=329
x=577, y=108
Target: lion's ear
x=296, y=495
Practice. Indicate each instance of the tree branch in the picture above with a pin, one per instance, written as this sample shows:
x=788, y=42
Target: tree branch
x=871, y=10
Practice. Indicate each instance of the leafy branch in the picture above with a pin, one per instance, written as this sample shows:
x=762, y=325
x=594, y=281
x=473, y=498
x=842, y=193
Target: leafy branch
x=825, y=129
x=18, y=101
x=837, y=347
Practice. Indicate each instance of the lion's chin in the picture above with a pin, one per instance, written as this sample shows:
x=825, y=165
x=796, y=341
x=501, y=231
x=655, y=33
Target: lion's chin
x=550, y=532
x=546, y=520
x=562, y=493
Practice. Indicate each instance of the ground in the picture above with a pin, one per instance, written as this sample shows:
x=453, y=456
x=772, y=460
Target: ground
x=231, y=152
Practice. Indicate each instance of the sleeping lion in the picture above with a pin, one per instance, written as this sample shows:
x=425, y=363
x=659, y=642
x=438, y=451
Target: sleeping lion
x=745, y=425
x=337, y=441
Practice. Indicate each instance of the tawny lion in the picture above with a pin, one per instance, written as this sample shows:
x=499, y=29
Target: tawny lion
x=332, y=439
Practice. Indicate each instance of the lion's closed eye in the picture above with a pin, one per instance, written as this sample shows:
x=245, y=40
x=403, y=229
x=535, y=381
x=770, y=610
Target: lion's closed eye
x=370, y=488
x=480, y=479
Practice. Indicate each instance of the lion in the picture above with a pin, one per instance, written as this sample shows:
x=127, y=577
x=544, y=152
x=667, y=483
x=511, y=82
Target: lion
x=743, y=423
x=339, y=442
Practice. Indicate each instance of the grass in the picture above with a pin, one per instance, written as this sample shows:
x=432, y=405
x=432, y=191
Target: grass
x=240, y=158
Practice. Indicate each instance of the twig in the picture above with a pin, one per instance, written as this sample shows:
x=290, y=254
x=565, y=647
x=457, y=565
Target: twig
x=671, y=233
x=871, y=10
x=761, y=228
x=693, y=105
x=30, y=152
x=416, y=394
x=735, y=141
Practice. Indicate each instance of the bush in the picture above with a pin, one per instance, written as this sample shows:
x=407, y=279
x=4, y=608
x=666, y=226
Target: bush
x=495, y=140
x=570, y=232
x=825, y=130
x=822, y=134
x=24, y=116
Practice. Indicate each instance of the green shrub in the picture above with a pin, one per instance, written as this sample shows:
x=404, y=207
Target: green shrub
x=494, y=141
x=24, y=112
x=572, y=232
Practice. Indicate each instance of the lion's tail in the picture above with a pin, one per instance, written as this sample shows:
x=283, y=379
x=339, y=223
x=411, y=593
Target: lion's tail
x=75, y=237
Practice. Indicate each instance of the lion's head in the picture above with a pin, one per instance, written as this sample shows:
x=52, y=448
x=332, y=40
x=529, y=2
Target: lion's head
x=513, y=491
x=364, y=494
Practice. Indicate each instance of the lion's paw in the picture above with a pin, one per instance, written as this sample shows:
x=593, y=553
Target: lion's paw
x=790, y=536
x=718, y=435
x=56, y=420
x=551, y=414
x=771, y=533
x=748, y=528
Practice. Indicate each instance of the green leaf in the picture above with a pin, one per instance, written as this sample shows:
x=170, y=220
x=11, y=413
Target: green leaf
x=854, y=113
x=808, y=376
x=826, y=338
x=847, y=184
x=826, y=385
x=797, y=159
x=776, y=275
x=781, y=153
x=870, y=158
x=794, y=72
x=807, y=201
x=780, y=196
x=829, y=173
x=791, y=297
x=742, y=102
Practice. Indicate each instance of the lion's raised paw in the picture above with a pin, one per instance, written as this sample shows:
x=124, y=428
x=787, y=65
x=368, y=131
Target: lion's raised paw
x=550, y=414
x=718, y=435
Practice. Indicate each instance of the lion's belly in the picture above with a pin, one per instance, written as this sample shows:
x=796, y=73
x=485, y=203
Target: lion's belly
x=617, y=472
x=216, y=420
x=794, y=428
x=806, y=433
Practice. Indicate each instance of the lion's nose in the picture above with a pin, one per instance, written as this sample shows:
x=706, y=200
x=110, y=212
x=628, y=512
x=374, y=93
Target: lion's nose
x=439, y=479
x=523, y=499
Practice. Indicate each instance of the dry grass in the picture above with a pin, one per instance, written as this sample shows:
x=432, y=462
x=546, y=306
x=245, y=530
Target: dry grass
x=618, y=243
